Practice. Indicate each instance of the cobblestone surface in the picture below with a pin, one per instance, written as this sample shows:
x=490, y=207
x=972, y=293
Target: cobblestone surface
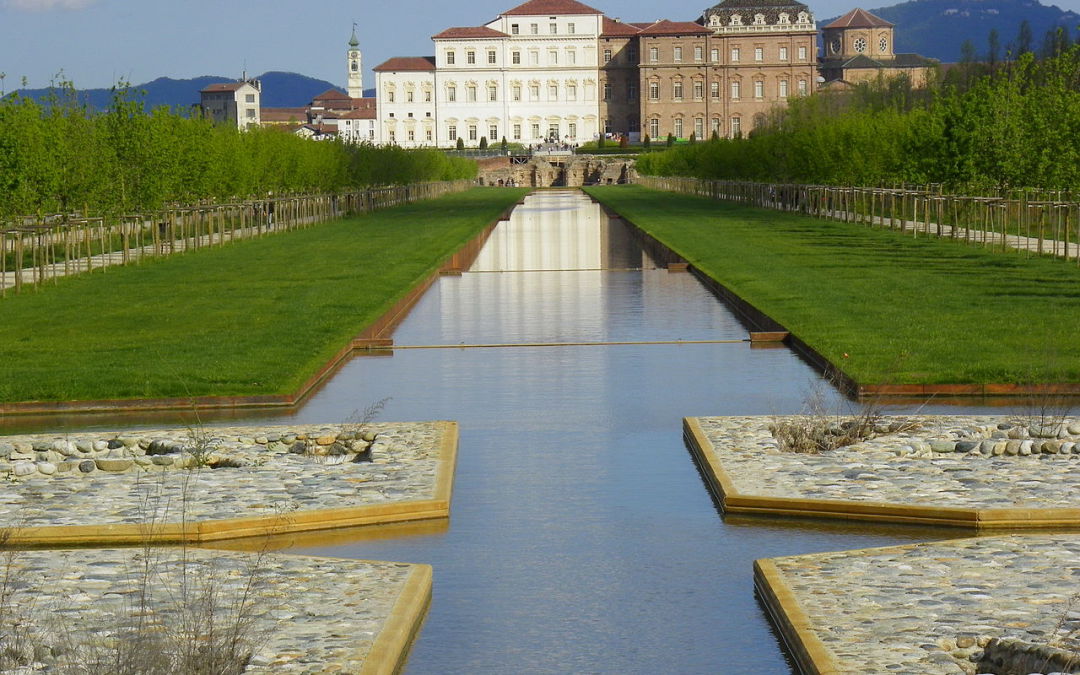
x=969, y=461
x=307, y=615
x=931, y=608
x=264, y=472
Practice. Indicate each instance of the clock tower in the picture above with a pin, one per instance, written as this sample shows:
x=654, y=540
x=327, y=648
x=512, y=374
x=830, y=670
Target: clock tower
x=355, y=66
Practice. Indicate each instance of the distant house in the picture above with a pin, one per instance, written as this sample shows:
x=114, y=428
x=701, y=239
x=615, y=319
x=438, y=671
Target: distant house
x=232, y=103
x=316, y=132
x=859, y=48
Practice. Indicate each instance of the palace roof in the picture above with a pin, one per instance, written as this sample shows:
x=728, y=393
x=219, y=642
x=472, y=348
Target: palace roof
x=613, y=28
x=403, y=63
x=859, y=18
x=332, y=95
x=747, y=8
x=550, y=8
x=466, y=32
x=665, y=27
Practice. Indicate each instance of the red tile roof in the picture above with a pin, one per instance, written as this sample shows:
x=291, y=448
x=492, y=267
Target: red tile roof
x=398, y=63
x=665, y=27
x=859, y=18
x=331, y=95
x=283, y=114
x=224, y=86
x=468, y=32
x=614, y=28
x=367, y=114
x=550, y=8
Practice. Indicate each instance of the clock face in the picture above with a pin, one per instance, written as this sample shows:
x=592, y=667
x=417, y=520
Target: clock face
x=836, y=46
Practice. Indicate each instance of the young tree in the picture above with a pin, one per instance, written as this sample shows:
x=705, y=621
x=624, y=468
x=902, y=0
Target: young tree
x=646, y=142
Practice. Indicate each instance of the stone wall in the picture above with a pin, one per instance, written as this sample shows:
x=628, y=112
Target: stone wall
x=569, y=171
x=1015, y=657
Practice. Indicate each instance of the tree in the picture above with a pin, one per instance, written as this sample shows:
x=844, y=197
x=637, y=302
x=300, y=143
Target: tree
x=505, y=145
x=715, y=136
x=1024, y=38
x=693, y=138
x=483, y=143
x=670, y=140
x=460, y=143
x=993, y=54
x=646, y=142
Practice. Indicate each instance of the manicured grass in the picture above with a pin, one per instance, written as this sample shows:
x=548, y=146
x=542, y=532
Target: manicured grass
x=253, y=317
x=905, y=310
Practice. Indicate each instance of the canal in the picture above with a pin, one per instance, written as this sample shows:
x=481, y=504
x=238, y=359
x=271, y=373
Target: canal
x=582, y=538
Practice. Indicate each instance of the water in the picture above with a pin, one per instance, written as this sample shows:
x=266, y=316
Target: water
x=582, y=538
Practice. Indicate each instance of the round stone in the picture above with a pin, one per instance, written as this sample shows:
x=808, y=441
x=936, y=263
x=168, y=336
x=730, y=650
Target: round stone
x=114, y=444
x=87, y=465
x=23, y=468
x=47, y=468
x=943, y=446
x=327, y=439
x=101, y=445
x=6, y=449
x=162, y=460
x=114, y=465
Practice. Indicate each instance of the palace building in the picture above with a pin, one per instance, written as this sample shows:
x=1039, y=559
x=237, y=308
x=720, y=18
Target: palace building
x=859, y=47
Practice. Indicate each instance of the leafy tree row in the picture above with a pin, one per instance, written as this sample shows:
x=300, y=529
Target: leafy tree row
x=1016, y=125
x=59, y=157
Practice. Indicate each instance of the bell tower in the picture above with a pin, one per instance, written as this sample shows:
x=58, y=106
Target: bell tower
x=355, y=66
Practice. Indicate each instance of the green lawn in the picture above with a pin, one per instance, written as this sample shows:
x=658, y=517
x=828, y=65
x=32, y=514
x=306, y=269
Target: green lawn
x=905, y=310
x=253, y=317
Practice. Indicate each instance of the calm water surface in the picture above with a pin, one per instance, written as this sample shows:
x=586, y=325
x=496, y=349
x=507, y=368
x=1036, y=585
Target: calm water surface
x=582, y=538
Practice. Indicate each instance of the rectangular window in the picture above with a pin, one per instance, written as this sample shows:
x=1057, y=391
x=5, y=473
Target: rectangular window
x=570, y=28
x=412, y=135
x=553, y=92
x=783, y=89
x=534, y=92
x=736, y=126
x=515, y=29
x=699, y=127
x=553, y=28
x=735, y=87
x=631, y=54
x=676, y=91
x=654, y=91
x=553, y=56
x=534, y=58
x=699, y=90
x=470, y=94
x=699, y=53
x=759, y=89
x=571, y=57
x=472, y=132
x=571, y=129
x=251, y=113
x=427, y=97
x=802, y=53
x=654, y=128
x=802, y=87
x=715, y=126
x=517, y=132
x=517, y=92
x=678, y=54
x=735, y=55
x=631, y=91
x=607, y=91
x=451, y=94
x=393, y=136
x=607, y=126
x=678, y=127
x=389, y=97
x=759, y=54
x=534, y=28
x=493, y=133
x=654, y=54
x=427, y=135
x=470, y=57
x=493, y=93
x=515, y=58
x=491, y=57
x=571, y=92
x=607, y=55
x=714, y=90
x=536, y=131
x=408, y=97
x=783, y=53
x=449, y=58
x=714, y=55
x=250, y=98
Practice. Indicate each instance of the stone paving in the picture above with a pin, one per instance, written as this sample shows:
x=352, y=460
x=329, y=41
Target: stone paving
x=97, y=478
x=934, y=608
x=960, y=461
x=306, y=614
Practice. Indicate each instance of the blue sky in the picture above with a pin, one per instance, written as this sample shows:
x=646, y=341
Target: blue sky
x=97, y=42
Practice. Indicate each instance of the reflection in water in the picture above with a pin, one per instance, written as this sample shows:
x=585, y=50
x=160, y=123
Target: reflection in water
x=581, y=537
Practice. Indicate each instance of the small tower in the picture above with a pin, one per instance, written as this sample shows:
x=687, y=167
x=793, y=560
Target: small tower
x=356, y=67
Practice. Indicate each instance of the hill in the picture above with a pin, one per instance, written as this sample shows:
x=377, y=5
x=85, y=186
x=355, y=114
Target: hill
x=279, y=89
x=938, y=28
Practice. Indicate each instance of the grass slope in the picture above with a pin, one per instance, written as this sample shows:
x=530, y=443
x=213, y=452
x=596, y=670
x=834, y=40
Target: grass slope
x=253, y=317
x=905, y=310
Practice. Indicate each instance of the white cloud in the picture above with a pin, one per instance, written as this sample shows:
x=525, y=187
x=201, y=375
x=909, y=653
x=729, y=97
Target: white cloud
x=47, y=5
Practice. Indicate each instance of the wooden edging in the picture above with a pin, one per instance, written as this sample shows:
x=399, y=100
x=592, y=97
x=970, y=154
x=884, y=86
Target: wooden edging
x=810, y=654
x=205, y=531
x=390, y=650
x=731, y=501
x=758, y=321
x=375, y=336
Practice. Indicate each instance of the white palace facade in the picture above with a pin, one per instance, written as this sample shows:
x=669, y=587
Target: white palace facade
x=528, y=76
